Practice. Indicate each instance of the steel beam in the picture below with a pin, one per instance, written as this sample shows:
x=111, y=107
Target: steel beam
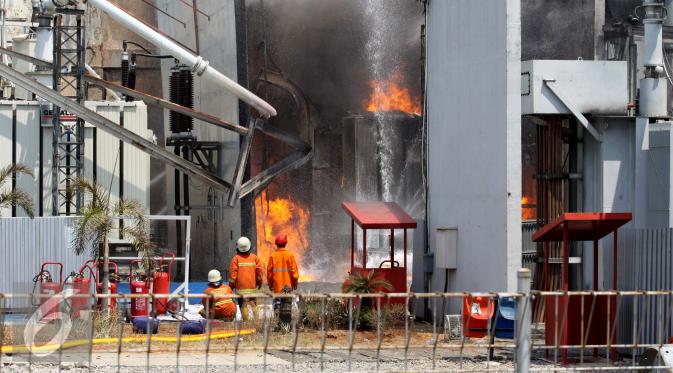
x=153, y=100
x=246, y=145
x=261, y=180
x=25, y=57
x=114, y=129
x=554, y=88
x=283, y=136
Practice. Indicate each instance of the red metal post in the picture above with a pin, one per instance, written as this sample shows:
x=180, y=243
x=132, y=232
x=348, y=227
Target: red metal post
x=595, y=280
x=392, y=247
x=352, y=244
x=614, y=260
x=405, y=248
x=566, y=258
x=595, y=264
x=566, y=255
x=364, y=249
x=613, y=306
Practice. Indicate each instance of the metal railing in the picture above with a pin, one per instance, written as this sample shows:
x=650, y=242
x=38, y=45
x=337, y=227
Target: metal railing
x=342, y=332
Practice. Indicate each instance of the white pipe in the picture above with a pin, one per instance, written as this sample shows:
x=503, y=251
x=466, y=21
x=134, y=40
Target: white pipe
x=197, y=63
x=110, y=92
x=44, y=44
x=653, y=22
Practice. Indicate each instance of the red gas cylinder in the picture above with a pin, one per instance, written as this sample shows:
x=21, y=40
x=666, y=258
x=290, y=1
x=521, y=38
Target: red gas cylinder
x=162, y=284
x=113, y=287
x=81, y=284
x=139, y=306
x=49, y=306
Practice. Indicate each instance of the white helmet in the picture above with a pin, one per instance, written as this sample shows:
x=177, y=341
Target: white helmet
x=243, y=244
x=214, y=276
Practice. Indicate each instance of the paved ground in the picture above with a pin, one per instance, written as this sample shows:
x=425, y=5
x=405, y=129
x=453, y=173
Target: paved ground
x=277, y=361
x=417, y=360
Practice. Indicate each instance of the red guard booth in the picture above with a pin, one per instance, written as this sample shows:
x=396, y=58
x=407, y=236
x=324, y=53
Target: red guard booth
x=577, y=326
x=380, y=215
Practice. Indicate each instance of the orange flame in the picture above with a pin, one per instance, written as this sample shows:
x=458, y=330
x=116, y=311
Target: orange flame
x=528, y=211
x=282, y=215
x=390, y=95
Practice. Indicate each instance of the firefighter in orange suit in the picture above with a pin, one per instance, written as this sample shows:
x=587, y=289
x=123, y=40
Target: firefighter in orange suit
x=245, y=276
x=222, y=308
x=245, y=270
x=282, y=272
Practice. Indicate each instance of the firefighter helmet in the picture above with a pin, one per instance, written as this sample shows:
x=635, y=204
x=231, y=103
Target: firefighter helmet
x=243, y=244
x=281, y=240
x=214, y=276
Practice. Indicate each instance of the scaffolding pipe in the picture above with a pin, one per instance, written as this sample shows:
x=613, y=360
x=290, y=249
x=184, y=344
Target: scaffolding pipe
x=93, y=73
x=197, y=63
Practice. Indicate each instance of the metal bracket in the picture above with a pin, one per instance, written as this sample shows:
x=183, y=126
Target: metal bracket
x=554, y=88
x=571, y=260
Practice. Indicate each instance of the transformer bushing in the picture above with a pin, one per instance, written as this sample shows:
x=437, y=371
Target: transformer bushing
x=181, y=86
x=653, y=88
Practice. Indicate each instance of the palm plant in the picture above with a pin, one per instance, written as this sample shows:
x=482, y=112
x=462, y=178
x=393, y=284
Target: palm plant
x=16, y=196
x=367, y=283
x=97, y=220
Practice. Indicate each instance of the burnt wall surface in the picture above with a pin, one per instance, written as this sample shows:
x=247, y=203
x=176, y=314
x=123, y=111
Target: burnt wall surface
x=557, y=29
x=330, y=50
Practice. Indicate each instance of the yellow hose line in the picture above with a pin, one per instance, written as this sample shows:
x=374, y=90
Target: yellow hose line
x=52, y=347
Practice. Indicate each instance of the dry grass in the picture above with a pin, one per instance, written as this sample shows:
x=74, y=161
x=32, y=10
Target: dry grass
x=105, y=325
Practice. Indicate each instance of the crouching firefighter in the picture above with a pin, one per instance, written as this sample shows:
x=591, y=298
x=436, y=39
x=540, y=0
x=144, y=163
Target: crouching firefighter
x=221, y=305
x=282, y=275
x=245, y=277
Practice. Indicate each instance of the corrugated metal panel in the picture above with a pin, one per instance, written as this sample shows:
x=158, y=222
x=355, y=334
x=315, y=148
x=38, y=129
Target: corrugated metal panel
x=137, y=162
x=47, y=161
x=26, y=243
x=5, y=147
x=528, y=247
x=27, y=114
x=107, y=159
x=645, y=263
x=27, y=143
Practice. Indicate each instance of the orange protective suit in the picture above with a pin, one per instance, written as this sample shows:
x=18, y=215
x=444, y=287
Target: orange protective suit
x=220, y=308
x=282, y=271
x=245, y=273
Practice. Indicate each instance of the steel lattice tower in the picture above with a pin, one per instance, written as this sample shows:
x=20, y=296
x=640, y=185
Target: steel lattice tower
x=68, y=136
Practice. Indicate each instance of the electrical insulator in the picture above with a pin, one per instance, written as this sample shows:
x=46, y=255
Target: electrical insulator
x=181, y=86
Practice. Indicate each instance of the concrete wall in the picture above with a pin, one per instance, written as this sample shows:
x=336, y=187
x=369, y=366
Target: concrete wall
x=213, y=236
x=474, y=138
x=609, y=183
x=104, y=42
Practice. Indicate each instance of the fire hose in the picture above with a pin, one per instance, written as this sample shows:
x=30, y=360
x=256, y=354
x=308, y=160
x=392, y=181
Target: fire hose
x=52, y=347
x=46, y=275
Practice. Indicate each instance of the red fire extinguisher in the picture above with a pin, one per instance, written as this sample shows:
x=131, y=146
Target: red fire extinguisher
x=139, y=306
x=112, y=287
x=81, y=285
x=162, y=284
x=49, y=306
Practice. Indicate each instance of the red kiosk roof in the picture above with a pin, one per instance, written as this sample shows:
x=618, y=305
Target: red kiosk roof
x=379, y=215
x=582, y=226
